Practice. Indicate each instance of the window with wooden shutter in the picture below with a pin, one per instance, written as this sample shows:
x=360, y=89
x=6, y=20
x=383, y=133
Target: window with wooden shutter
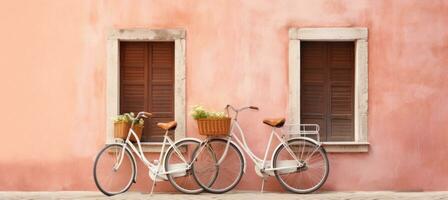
x=147, y=83
x=327, y=88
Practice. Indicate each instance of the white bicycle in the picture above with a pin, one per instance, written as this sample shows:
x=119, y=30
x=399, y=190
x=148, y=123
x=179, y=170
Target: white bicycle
x=299, y=163
x=115, y=168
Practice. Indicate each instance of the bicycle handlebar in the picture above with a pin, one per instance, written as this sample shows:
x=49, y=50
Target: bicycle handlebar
x=240, y=109
x=139, y=115
x=144, y=114
x=254, y=107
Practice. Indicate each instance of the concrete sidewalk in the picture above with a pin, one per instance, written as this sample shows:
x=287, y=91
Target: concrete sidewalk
x=228, y=196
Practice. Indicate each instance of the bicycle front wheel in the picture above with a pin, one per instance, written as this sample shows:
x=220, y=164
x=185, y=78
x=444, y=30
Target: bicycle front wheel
x=222, y=174
x=111, y=176
x=303, y=166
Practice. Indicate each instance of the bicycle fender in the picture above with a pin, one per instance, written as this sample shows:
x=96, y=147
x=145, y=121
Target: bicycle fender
x=183, y=139
x=279, y=145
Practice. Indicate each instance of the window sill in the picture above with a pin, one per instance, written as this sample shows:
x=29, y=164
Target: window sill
x=346, y=147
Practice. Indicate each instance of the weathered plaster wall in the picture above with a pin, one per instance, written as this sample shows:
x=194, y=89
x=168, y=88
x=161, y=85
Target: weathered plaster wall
x=53, y=69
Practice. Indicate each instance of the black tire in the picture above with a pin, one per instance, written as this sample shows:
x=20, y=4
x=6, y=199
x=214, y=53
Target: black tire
x=325, y=165
x=172, y=156
x=220, y=170
x=128, y=159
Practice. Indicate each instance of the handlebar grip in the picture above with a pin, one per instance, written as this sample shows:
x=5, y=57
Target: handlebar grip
x=254, y=107
x=146, y=114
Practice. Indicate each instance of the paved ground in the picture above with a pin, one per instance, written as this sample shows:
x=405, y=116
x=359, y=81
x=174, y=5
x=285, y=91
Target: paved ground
x=229, y=196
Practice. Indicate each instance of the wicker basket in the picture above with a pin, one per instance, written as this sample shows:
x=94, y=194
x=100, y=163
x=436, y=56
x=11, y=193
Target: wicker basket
x=214, y=127
x=121, y=130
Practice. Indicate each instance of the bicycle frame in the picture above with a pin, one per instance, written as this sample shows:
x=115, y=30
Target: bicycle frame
x=263, y=167
x=156, y=172
x=260, y=163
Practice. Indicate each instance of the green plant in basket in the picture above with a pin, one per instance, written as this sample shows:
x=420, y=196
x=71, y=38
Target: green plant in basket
x=216, y=115
x=199, y=112
x=211, y=123
x=128, y=118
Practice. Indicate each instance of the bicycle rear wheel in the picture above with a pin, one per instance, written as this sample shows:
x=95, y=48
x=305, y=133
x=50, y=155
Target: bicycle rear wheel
x=306, y=178
x=111, y=178
x=177, y=161
x=217, y=177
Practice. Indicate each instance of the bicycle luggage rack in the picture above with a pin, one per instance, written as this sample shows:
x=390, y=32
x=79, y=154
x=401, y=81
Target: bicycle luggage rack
x=305, y=130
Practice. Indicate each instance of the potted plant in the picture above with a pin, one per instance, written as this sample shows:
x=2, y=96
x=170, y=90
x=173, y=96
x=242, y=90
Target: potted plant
x=211, y=123
x=122, y=124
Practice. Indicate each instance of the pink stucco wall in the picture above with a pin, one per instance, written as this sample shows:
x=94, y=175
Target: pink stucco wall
x=53, y=75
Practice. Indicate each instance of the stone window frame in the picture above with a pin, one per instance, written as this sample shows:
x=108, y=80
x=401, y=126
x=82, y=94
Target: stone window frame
x=113, y=77
x=360, y=36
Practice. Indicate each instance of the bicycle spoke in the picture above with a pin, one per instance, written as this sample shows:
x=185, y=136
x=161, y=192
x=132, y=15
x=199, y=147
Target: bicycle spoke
x=206, y=169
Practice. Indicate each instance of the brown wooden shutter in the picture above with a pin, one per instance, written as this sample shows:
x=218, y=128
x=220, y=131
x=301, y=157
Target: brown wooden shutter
x=161, y=88
x=147, y=83
x=313, y=85
x=132, y=76
x=327, y=88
